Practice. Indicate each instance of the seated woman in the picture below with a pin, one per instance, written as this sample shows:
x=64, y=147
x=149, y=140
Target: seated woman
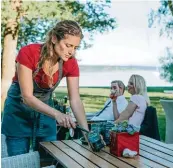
x=135, y=110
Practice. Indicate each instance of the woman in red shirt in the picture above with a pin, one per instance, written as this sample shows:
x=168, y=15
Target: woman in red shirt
x=40, y=68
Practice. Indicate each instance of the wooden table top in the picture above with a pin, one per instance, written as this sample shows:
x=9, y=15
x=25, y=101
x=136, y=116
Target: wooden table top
x=73, y=154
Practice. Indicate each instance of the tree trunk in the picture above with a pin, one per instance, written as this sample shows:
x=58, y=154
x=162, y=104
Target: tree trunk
x=9, y=49
x=8, y=58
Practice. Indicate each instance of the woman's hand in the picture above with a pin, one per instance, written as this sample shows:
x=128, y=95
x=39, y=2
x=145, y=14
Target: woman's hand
x=64, y=120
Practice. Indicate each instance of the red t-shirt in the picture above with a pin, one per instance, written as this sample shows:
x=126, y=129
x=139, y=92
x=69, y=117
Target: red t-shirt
x=29, y=56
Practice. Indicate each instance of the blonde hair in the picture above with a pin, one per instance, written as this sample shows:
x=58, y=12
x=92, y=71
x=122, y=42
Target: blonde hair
x=140, y=86
x=120, y=84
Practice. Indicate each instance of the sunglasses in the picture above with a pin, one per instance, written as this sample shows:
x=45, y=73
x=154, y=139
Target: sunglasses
x=131, y=83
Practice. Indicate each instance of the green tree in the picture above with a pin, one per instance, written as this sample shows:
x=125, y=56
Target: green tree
x=163, y=16
x=24, y=22
x=167, y=65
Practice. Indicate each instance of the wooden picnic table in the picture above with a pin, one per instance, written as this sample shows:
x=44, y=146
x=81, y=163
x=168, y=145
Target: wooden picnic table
x=73, y=154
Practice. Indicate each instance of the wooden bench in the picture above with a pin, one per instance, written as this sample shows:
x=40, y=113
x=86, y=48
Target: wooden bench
x=72, y=154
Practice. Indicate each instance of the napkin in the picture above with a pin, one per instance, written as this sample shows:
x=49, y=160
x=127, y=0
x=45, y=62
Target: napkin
x=129, y=153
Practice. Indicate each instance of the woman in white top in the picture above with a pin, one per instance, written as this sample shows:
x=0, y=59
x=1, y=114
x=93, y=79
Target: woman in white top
x=139, y=101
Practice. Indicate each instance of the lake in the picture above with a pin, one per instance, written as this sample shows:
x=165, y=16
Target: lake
x=103, y=75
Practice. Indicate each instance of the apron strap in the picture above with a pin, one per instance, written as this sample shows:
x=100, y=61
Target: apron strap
x=60, y=74
x=35, y=73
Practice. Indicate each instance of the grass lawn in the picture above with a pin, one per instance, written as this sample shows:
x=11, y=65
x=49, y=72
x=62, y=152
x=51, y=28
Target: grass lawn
x=94, y=99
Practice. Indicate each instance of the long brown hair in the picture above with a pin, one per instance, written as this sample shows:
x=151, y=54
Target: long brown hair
x=62, y=28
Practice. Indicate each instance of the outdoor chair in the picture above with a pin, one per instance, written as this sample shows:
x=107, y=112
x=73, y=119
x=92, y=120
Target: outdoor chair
x=149, y=126
x=168, y=108
x=28, y=160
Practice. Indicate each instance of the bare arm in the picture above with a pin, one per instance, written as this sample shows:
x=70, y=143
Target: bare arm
x=115, y=92
x=26, y=86
x=115, y=110
x=127, y=113
x=75, y=101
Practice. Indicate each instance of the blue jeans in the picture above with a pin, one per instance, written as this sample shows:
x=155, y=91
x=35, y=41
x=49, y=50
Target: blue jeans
x=21, y=145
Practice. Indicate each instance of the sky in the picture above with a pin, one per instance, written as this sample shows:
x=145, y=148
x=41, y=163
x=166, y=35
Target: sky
x=132, y=42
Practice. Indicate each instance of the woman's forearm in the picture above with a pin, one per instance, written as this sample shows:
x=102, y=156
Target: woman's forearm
x=79, y=112
x=38, y=105
x=123, y=116
x=127, y=113
x=115, y=110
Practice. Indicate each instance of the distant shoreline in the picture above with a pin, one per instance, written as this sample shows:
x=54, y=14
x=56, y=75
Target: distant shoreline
x=117, y=67
x=149, y=88
x=102, y=75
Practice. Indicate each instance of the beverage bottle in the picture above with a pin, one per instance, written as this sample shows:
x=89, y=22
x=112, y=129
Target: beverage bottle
x=54, y=99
